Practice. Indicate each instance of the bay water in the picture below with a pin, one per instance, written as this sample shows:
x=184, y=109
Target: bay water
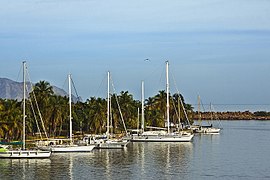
x=240, y=151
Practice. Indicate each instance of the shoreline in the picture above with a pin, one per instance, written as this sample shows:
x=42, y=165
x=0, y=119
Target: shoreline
x=260, y=115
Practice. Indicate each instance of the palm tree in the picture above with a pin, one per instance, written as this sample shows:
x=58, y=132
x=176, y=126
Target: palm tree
x=58, y=114
x=160, y=102
x=97, y=114
x=177, y=98
x=128, y=108
x=80, y=114
x=90, y=113
x=11, y=120
x=89, y=116
x=153, y=115
x=3, y=126
x=41, y=97
x=43, y=90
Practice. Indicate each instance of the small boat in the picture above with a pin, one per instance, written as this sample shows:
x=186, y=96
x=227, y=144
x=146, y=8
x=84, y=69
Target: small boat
x=211, y=130
x=206, y=129
x=7, y=152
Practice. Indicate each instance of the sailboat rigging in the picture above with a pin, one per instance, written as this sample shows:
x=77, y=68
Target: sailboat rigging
x=23, y=153
x=106, y=141
x=200, y=128
x=57, y=145
x=163, y=134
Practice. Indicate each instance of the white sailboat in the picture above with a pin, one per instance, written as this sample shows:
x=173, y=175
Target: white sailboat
x=210, y=129
x=163, y=134
x=206, y=129
x=106, y=141
x=60, y=145
x=23, y=153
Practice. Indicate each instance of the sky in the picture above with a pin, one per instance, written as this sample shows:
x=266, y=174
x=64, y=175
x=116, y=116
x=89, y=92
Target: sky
x=216, y=49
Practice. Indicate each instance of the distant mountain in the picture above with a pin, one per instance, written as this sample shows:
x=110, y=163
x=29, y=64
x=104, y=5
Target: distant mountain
x=10, y=89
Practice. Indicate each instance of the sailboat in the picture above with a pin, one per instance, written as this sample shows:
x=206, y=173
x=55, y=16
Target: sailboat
x=207, y=129
x=162, y=134
x=106, y=141
x=23, y=153
x=59, y=145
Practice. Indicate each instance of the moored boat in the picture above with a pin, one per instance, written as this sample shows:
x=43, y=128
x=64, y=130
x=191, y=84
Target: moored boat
x=107, y=141
x=17, y=154
x=162, y=137
x=206, y=129
x=7, y=152
x=160, y=134
x=103, y=142
x=65, y=145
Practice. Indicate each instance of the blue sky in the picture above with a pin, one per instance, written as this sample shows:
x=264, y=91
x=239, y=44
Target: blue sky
x=217, y=49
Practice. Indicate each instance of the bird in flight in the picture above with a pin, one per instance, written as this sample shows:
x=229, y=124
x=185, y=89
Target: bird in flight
x=147, y=60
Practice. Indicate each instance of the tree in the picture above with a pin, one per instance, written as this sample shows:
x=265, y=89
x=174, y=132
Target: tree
x=160, y=102
x=153, y=115
x=80, y=115
x=97, y=114
x=41, y=99
x=43, y=90
x=58, y=116
x=128, y=108
x=89, y=116
x=10, y=119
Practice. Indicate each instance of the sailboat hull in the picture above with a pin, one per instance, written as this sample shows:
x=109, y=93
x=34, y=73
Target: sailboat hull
x=162, y=138
x=110, y=144
x=25, y=154
x=68, y=148
x=211, y=130
x=103, y=142
x=206, y=130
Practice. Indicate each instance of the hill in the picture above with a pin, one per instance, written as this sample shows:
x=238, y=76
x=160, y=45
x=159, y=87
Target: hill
x=10, y=89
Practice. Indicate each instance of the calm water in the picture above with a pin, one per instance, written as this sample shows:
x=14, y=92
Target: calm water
x=241, y=151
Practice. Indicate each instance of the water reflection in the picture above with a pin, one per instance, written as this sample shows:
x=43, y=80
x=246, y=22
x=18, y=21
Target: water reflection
x=239, y=152
x=165, y=160
x=25, y=168
x=70, y=165
x=138, y=161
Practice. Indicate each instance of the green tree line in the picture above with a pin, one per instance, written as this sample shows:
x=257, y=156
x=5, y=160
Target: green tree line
x=88, y=117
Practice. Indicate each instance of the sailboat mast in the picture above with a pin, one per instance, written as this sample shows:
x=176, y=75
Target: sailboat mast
x=108, y=105
x=142, y=124
x=138, y=123
x=199, y=110
x=211, y=114
x=179, y=113
x=167, y=92
x=70, y=116
x=24, y=91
